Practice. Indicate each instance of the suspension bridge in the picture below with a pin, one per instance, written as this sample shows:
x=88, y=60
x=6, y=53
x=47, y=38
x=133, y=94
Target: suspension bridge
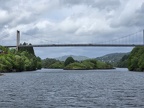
x=130, y=40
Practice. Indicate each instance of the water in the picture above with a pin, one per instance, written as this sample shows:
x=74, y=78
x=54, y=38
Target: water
x=72, y=89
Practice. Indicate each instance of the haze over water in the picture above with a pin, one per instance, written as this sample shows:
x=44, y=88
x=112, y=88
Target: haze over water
x=72, y=89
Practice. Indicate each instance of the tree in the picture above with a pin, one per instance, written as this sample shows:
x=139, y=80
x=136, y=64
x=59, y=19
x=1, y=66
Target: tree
x=47, y=62
x=28, y=49
x=18, y=61
x=68, y=61
x=135, y=60
x=123, y=61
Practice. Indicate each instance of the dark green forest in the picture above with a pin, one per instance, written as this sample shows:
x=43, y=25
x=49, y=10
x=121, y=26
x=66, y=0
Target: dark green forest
x=24, y=59
x=52, y=63
x=123, y=62
x=136, y=59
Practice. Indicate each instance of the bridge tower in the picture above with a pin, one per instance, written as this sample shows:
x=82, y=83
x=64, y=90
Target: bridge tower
x=18, y=39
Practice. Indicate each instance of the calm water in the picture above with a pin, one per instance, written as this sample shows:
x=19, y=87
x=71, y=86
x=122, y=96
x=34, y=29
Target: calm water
x=72, y=89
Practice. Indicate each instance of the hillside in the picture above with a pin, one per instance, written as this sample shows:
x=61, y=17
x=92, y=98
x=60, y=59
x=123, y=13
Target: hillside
x=136, y=59
x=71, y=64
x=78, y=58
x=112, y=58
x=12, y=60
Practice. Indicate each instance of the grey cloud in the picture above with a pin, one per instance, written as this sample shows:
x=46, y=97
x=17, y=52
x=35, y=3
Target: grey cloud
x=136, y=19
x=10, y=12
x=9, y=4
x=107, y=4
x=133, y=19
x=32, y=31
x=19, y=12
x=73, y=2
x=139, y=17
x=100, y=4
x=142, y=8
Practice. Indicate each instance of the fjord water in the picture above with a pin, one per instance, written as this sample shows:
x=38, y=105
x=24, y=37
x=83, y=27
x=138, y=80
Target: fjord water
x=48, y=88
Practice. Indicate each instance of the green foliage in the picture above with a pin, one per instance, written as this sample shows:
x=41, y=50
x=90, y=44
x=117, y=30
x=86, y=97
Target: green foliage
x=27, y=49
x=57, y=65
x=4, y=49
x=89, y=64
x=136, y=59
x=112, y=58
x=52, y=63
x=76, y=65
x=11, y=60
x=68, y=61
x=102, y=65
x=123, y=63
x=47, y=62
x=39, y=63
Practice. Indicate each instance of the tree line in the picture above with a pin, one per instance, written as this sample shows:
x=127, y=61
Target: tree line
x=72, y=64
x=12, y=60
x=26, y=60
x=134, y=61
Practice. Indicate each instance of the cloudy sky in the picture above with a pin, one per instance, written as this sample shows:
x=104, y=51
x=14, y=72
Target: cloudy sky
x=70, y=21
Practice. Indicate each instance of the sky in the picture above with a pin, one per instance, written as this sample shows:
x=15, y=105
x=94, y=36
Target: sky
x=70, y=21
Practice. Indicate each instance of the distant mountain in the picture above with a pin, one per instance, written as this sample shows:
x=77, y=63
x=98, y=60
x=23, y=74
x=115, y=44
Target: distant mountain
x=112, y=58
x=78, y=58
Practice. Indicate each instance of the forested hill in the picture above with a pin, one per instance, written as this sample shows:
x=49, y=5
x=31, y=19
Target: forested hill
x=136, y=59
x=71, y=64
x=78, y=58
x=112, y=58
x=12, y=60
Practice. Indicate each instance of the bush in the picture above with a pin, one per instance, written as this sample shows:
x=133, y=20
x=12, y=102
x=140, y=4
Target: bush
x=136, y=59
x=18, y=61
x=68, y=61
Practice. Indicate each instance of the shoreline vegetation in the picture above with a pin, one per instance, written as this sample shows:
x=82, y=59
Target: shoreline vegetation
x=24, y=59
x=71, y=64
x=134, y=61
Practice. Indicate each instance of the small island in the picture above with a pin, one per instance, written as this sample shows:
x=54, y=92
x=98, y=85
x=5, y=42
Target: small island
x=71, y=64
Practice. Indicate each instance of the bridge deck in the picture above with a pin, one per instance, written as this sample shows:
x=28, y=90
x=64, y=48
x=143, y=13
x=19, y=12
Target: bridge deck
x=80, y=45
